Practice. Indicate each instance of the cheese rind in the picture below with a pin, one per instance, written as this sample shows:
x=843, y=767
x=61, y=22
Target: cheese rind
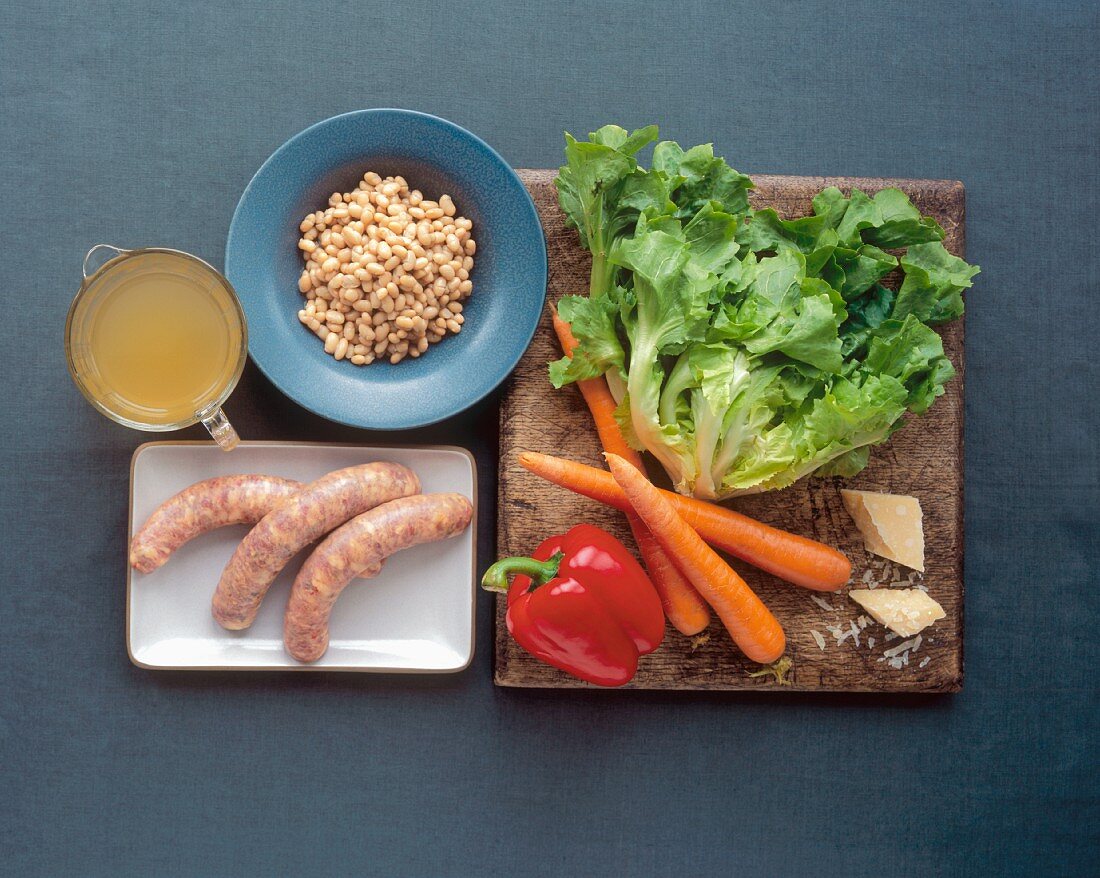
x=907, y=611
x=891, y=525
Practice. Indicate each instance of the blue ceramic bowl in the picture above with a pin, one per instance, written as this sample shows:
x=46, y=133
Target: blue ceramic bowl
x=263, y=263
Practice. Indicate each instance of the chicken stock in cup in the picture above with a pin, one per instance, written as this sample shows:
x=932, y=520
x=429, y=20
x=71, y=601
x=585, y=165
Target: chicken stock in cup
x=156, y=340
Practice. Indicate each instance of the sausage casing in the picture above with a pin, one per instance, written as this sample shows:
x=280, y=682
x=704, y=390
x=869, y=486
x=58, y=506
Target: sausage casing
x=202, y=507
x=318, y=507
x=358, y=549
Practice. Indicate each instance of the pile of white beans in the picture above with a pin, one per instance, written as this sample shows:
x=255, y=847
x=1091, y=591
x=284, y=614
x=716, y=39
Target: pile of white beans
x=386, y=271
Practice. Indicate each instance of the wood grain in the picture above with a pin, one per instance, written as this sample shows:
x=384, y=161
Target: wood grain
x=923, y=459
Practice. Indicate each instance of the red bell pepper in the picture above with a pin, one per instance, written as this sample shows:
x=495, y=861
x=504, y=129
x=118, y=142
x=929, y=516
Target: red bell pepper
x=583, y=604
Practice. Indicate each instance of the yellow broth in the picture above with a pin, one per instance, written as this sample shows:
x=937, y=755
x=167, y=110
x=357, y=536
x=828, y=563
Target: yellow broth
x=156, y=339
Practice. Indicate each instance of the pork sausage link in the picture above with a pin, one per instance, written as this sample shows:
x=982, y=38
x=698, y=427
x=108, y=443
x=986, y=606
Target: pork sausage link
x=204, y=506
x=318, y=508
x=358, y=549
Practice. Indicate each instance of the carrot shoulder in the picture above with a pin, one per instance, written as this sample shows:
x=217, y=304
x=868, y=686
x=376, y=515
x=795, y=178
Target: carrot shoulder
x=795, y=558
x=751, y=625
x=683, y=605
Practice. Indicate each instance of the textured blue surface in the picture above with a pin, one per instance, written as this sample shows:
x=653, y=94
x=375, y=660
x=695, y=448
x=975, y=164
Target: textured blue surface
x=142, y=124
x=263, y=263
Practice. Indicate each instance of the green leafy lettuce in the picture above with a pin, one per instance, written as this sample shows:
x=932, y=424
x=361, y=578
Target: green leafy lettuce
x=748, y=350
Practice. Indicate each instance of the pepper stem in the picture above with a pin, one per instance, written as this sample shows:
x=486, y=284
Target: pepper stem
x=541, y=572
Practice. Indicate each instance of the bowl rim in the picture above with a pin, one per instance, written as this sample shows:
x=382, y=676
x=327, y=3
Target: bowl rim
x=528, y=206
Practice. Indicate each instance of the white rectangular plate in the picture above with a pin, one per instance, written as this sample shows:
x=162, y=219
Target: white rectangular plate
x=417, y=615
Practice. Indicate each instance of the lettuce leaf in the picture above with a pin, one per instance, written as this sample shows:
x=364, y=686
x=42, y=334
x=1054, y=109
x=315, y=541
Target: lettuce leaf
x=889, y=219
x=673, y=279
x=594, y=323
x=602, y=191
x=697, y=177
x=750, y=350
x=865, y=314
x=933, y=285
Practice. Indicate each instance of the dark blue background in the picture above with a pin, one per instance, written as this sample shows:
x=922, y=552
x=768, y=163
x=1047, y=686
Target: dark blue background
x=141, y=126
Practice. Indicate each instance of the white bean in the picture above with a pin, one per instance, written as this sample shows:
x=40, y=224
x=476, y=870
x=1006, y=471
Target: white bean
x=385, y=270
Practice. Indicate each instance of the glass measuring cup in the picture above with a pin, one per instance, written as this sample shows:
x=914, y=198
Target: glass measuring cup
x=156, y=340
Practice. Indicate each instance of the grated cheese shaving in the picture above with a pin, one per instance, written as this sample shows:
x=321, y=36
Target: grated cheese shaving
x=896, y=657
x=906, y=645
x=824, y=604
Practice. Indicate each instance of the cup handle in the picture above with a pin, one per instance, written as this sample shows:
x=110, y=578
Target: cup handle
x=219, y=427
x=118, y=251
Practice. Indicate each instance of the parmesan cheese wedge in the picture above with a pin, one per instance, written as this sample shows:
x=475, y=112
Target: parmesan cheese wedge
x=907, y=611
x=891, y=525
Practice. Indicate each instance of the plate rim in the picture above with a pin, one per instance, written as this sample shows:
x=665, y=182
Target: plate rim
x=529, y=207
x=278, y=669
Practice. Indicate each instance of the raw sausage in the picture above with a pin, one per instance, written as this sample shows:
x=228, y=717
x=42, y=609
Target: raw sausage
x=318, y=508
x=204, y=506
x=358, y=549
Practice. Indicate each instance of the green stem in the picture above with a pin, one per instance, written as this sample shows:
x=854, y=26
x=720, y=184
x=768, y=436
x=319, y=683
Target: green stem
x=598, y=281
x=541, y=572
x=679, y=379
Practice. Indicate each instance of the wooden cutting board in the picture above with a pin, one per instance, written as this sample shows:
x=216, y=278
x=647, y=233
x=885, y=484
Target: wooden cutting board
x=923, y=459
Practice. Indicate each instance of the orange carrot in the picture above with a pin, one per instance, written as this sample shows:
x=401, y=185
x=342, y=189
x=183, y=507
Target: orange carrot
x=797, y=559
x=683, y=605
x=751, y=625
